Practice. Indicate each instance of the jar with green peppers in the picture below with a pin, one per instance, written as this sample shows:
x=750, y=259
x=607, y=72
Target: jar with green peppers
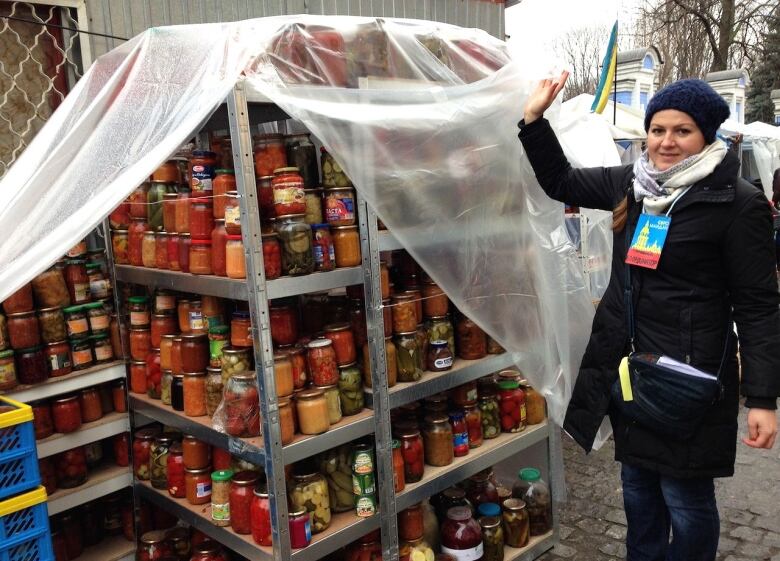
x=165, y=387
x=310, y=492
x=350, y=389
x=422, y=345
x=154, y=199
x=440, y=329
x=491, y=420
x=297, y=246
x=492, y=538
x=516, y=524
x=408, y=357
x=158, y=461
x=214, y=387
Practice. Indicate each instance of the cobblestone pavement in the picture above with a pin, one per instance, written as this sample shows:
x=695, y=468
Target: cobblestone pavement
x=593, y=522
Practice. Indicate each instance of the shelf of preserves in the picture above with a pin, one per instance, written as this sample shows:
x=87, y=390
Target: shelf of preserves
x=535, y=547
x=493, y=451
x=109, y=425
x=344, y=528
x=251, y=449
x=434, y=382
x=102, y=480
x=70, y=382
x=237, y=289
x=112, y=548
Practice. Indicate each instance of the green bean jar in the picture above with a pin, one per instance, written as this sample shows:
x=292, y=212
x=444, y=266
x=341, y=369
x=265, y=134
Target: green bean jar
x=440, y=329
x=408, y=357
x=492, y=538
x=296, y=240
x=154, y=200
x=350, y=389
x=491, y=421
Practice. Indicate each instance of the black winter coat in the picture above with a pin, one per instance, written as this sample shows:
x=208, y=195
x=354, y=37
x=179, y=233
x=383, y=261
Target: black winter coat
x=718, y=256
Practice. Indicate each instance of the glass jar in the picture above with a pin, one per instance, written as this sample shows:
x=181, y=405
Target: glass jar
x=158, y=461
x=312, y=411
x=346, y=244
x=289, y=197
x=71, y=468
x=155, y=196
x=153, y=374
x=138, y=376
x=169, y=211
x=283, y=374
x=19, y=301
x=310, y=491
x=516, y=523
x=232, y=214
x=438, y=439
x=440, y=329
x=439, y=357
x=399, y=481
x=194, y=394
x=334, y=403
x=71, y=528
x=491, y=420
x=284, y=325
x=161, y=250
x=196, y=453
x=474, y=425
x=183, y=314
x=269, y=154
x=201, y=218
x=202, y=165
x=99, y=320
x=534, y=404
x=332, y=174
x=76, y=321
x=52, y=325
x=404, y=315
x=31, y=365
x=296, y=243
x=224, y=182
x=313, y=202
x=460, y=435
x=214, y=388
x=120, y=247
x=177, y=392
x=241, y=494
x=435, y=302
x=235, y=258
x=242, y=406
x=185, y=242
x=118, y=395
x=481, y=490
x=350, y=389
x=89, y=401
x=343, y=342
x=300, y=528
x=200, y=257
x=218, y=340
x=532, y=489
x=241, y=329
x=408, y=357
x=207, y=551
x=149, y=249
x=99, y=286
x=43, y=424
x=183, y=212
x=121, y=446
x=57, y=355
x=48, y=477
x=321, y=359
x=197, y=483
x=220, y=497
x=162, y=324
x=142, y=445
x=286, y=421
x=272, y=256
x=492, y=538
x=179, y=539
x=324, y=251
x=340, y=206
x=265, y=197
x=299, y=366
x=512, y=402
x=260, y=518
x=219, y=249
x=194, y=352
x=412, y=451
x=461, y=535
x=234, y=361
x=50, y=289
x=470, y=340
x=172, y=248
x=23, y=330
x=410, y=523
x=77, y=281
x=302, y=154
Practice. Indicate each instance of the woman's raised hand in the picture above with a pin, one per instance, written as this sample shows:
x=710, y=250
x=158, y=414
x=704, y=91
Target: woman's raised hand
x=543, y=96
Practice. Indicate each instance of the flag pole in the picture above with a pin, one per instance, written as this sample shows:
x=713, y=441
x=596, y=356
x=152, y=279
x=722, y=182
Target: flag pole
x=614, y=80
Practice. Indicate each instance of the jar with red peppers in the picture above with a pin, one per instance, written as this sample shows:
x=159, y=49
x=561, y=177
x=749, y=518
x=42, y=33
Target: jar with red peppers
x=19, y=301
x=23, y=330
x=460, y=433
x=162, y=324
x=272, y=256
x=142, y=446
x=321, y=359
x=412, y=451
x=241, y=493
x=461, y=535
x=201, y=218
x=71, y=468
x=153, y=374
x=260, y=518
x=31, y=367
x=511, y=401
x=153, y=547
x=91, y=409
x=343, y=342
x=474, y=425
x=121, y=445
x=42, y=419
x=284, y=325
x=241, y=405
x=470, y=340
x=77, y=279
x=48, y=475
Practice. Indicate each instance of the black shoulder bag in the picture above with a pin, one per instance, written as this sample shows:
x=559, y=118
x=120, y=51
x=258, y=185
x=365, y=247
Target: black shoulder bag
x=660, y=393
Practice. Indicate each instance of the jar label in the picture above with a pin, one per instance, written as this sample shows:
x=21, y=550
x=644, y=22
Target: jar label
x=220, y=511
x=215, y=350
x=83, y=356
x=460, y=441
x=104, y=352
x=59, y=361
x=338, y=209
x=77, y=326
x=99, y=289
x=196, y=321
x=164, y=302
x=81, y=291
x=202, y=177
x=203, y=489
x=139, y=319
x=446, y=362
x=233, y=215
x=307, y=530
x=288, y=193
x=365, y=506
x=7, y=373
x=363, y=484
x=362, y=463
x=523, y=412
x=471, y=554
x=98, y=323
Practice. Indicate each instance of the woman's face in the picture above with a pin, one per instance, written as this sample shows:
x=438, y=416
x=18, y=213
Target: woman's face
x=672, y=137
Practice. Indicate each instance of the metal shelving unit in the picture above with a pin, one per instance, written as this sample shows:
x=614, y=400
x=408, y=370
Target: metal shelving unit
x=113, y=548
x=109, y=425
x=102, y=481
x=70, y=382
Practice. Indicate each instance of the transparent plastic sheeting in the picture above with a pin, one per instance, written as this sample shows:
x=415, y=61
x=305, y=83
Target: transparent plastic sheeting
x=421, y=115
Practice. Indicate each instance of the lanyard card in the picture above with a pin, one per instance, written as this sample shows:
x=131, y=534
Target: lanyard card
x=648, y=242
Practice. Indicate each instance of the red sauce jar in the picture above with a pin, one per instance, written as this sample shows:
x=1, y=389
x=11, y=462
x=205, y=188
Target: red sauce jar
x=138, y=376
x=23, y=330
x=196, y=453
x=284, y=325
x=272, y=256
x=42, y=421
x=218, y=248
x=172, y=247
x=201, y=218
x=194, y=352
x=474, y=425
x=31, y=366
x=241, y=494
x=91, y=408
x=77, y=279
x=135, y=238
x=321, y=359
x=153, y=374
x=140, y=343
x=260, y=515
x=270, y=154
x=137, y=201
x=299, y=366
x=119, y=219
x=224, y=182
x=184, y=252
x=202, y=170
x=413, y=455
x=175, y=472
x=19, y=301
x=200, y=257
x=121, y=445
x=197, y=483
x=265, y=195
x=410, y=523
x=162, y=324
x=241, y=329
x=289, y=197
x=118, y=395
x=66, y=413
x=343, y=342
x=153, y=546
x=142, y=446
x=220, y=458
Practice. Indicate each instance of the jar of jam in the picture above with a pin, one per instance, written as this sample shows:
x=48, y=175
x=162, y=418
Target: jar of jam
x=19, y=301
x=142, y=445
x=461, y=535
x=31, y=366
x=162, y=324
x=140, y=316
x=296, y=244
x=272, y=256
x=438, y=438
x=413, y=454
x=346, y=244
x=71, y=468
x=153, y=374
x=101, y=346
x=313, y=202
x=121, y=445
x=153, y=547
x=269, y=154
x=241, y=494
x=77, y=281
x=196, y=453
x=97, y=315
x=321, y=359
x=175, y=472
x=260, y=518
x=58, y=356
x=512, y=405
x=23, y=330
x=242, y=406
x=198, y=486
x=185, y=242
x=89, y=401
x=300, y=528
x=195, y=354
x=312, y=411
x=201, y=218
x=470, y=340
x=202, y=166
x=119, y=247
x=42, y=419
x=224, y=182
x=410, y=523
x=284, y=325
x=340, y=206
x=194, y=394
x=404, y=314
x=200, y=257
x=439, y=357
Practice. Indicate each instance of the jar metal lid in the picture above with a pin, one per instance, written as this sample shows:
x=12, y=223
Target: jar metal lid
x=52, y=309
x=289, y=169
x=246, y=477
x=194, y=374
x=514, y=504
x=488, y=522
x=22, y=314
x=67, y=398
x=197, y=471
x=297, y=513
x=331, y=327
x=319, y=343
x=245, y=376
x=147, y=434
x=193, y=336
x=459, y=513
x=310, y=393
x=344, y=227
x=439, y=343
x=153, y=537
x=222, y=475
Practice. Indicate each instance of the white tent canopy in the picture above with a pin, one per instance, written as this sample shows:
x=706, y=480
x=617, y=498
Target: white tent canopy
x=764, y=141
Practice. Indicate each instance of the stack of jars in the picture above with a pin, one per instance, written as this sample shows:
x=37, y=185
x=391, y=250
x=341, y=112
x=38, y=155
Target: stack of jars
x=50, y=327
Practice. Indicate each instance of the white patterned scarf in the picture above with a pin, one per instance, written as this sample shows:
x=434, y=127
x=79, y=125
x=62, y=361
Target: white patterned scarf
x=659, y=189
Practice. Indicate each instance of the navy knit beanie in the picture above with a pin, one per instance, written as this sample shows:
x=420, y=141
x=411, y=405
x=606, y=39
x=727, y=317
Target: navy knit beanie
x=696, y=98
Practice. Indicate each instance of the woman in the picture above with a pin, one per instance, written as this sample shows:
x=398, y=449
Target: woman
x=717, y=263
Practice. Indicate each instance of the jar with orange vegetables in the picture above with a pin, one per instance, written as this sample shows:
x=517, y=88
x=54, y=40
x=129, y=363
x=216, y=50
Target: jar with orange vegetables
x=346, y=243
x=219, y=248
x=166, y=350
x=283, y=374
x=138, y=376
x=185, y=241
x=404, y=313
x=194, y=394
x=269, y=154
x=286, y=421
x=172, y=247
x=321, y=359
x=135, y=236
x=391, y=361
x=224, y=182
x=201, y=218
x=169, y=211
x=200, y=257
x=183, y=212
x=161, y=250
x=137, y=201
x=343, y=342
x=241, y=329
x=162, y=324
x=140, y=343
x=272, y=256
x=284, y=325
x=235, y=257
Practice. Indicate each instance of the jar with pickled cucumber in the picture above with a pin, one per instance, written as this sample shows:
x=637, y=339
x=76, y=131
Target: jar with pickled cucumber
x=491, y=419
x=234, y=361
x=332, y=174
x=515, y=523
x=350, y=389
x=335, y=465
x=158, y=461
x=310, y=492
x=297, y=245
x=492, y=538
x=440, y=329
x=409, y=357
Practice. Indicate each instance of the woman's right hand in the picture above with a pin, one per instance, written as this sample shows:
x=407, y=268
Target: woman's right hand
x=542, y=97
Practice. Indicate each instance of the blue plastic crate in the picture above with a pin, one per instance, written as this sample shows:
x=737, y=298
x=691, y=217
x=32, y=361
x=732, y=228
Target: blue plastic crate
x=24, y=528
x=18, y=454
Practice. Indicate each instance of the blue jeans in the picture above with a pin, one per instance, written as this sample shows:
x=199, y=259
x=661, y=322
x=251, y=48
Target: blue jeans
x=655, y=504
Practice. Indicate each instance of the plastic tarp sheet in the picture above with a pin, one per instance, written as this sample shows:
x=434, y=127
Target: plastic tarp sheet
x=764, y=140
x=421, y=115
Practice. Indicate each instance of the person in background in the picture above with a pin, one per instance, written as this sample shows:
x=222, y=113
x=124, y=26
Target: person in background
x=717, y=263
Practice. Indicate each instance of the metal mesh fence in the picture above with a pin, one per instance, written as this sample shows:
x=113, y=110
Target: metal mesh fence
x=38, y=64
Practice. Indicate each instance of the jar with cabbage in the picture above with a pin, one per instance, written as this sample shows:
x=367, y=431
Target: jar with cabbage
x=310, y=492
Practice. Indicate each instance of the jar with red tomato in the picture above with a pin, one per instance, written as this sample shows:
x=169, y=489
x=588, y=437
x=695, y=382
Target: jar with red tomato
x=265, y=196
x=121, y=445
x=142, y=446
x=71, y=468
x=23, y=330
x=153, y=374
x=269, y=154
x=343, y=342
x=321, y=359
x=241, y=494
x=20, y=301
x=66, y=412
x=140, y=343
x=42, y=419
x=240, y=329
x=242, y=406
x=135, y=238
x=511, y=399
x=272, y=256
x=413, y=454
x=153, y=546
x=289, y=197
x=260, y=518
x=48, y=475
x=284, y=325
x=175, y=471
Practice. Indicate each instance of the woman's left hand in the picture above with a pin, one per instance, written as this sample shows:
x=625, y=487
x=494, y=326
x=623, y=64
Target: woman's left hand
x=762, y=428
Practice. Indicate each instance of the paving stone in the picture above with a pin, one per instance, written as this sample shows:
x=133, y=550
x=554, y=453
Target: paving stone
x=616, y=517
x=564, y=551
x=591, y=526
x=739, y=517
x=771, y=523
x=617, y=532
x=772, y=540
x=726, y=545
x=614, y=549
x=565, y=532
x=754, y=551
x=747, y=534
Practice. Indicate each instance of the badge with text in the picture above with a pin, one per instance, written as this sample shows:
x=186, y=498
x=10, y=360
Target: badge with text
x=649, y=239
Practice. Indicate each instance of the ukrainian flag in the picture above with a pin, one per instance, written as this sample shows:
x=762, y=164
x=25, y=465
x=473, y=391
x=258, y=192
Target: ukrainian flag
x=607, y=73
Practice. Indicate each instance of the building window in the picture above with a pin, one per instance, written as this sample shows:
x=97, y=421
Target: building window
x=647, y=63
